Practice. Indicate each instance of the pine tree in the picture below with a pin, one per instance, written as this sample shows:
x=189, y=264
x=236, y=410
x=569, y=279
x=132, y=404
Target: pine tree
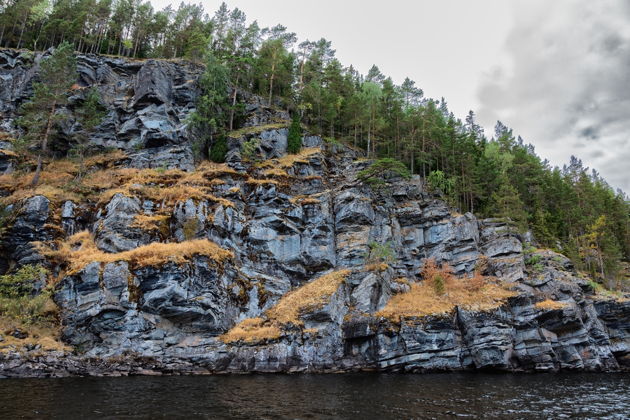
x=209, y=118
x=39, y=115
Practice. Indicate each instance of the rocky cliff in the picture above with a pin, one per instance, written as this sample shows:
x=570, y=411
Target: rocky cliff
x=288, y=264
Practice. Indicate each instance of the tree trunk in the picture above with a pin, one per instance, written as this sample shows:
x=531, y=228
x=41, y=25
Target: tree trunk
x=44, y=146
x=233, y=105
x=273, y=73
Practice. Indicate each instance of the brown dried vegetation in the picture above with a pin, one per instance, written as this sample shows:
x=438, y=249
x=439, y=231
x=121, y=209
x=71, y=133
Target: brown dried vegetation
x=311, y=296
x=476, y=293
x=80, y=250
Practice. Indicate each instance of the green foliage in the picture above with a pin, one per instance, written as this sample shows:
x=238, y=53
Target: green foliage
x=381, y=170
x=439, y=284
x=90, y=114
x=19, y=298
x=209, y=116
x=294, y=140
x=39, y=115
x=250, y=150
x=218, y=150
x=438, y=181
x=381, y=253
x=489, y=175
x=533, y=260
x=190, y=228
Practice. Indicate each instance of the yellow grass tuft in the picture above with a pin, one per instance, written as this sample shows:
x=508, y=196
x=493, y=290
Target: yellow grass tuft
x=377, y=267
x=278, y=172
x=80, y=250
x=551, y=305
x=252, y=330
x=252, y=181
x=151, y=223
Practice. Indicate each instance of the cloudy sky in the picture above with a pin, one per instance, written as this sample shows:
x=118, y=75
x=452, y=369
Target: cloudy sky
x=557, y=72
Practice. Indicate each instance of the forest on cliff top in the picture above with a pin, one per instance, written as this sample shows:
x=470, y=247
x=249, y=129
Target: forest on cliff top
x=571, y=209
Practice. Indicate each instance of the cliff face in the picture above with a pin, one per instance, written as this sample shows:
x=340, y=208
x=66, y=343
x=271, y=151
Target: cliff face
x=271, y=267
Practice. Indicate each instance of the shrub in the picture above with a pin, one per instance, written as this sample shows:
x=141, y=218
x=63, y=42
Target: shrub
x=438, y=284
x=21, y=300
x=218, y=150
x=249, y=150
x=380, y=170
x=438, y=181
x=380, y=253
x=190, y=228
x=294, y=140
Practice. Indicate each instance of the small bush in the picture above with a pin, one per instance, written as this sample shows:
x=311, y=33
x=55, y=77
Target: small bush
x=20, y=299
x=380, y=253
x=533, y=260
x=249, y=150
x=438, y=284
x=378, y=173
x=218, y=150
x=190, y=228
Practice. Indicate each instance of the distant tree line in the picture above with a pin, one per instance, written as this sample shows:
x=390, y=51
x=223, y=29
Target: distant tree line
x=571, y=209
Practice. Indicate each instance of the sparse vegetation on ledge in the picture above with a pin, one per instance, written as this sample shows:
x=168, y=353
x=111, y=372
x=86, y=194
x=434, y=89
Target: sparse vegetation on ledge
x=257, y=129
x=80, y=250
x=440, y=292
x=311, y=296
x=551, y=305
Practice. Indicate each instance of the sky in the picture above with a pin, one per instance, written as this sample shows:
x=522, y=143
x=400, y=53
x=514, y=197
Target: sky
x=556, y=72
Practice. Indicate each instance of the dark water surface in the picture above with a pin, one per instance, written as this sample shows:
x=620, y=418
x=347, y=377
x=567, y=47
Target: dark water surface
x=360, y=396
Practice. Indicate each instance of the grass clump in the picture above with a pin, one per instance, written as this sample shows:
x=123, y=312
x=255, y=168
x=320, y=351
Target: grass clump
x=156, y=223
x=257, y=129
x=80, y=250
x=441, y=292
x=550, y=305
x=251, y=331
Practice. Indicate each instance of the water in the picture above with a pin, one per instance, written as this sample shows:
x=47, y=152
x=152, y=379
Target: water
x=360, y=396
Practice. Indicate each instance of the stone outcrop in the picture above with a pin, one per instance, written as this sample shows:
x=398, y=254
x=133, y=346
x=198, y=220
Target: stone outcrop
x=286, y=229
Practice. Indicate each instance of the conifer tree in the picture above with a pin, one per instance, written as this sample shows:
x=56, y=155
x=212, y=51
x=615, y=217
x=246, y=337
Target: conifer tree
x=39, y=115
x=294, y=140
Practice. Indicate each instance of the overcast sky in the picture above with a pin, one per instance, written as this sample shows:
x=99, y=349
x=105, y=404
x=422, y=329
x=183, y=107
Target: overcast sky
x=557, y=72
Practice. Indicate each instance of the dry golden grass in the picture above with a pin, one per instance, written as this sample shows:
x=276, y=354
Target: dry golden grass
x=288, y=161
x=475, y=293
x=376, y=267
x=252, y=181
x=47, y=336
x=252, y=330
x=80, y=250
x=59, y=182
x=551, y=305
x=151, y=223
x=278, y=172
x=309, y=297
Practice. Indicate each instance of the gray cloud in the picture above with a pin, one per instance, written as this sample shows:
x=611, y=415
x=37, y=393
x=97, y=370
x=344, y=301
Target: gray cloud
x=567, y=88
